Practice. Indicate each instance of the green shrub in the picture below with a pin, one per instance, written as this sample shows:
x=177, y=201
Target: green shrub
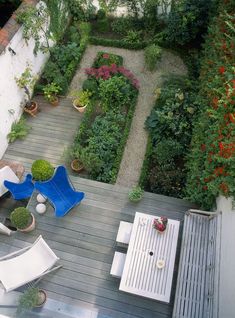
x=152, y=53
x=104, y=58
x=73, y=34
x=64, y=55
x=103, y=142
x=114, y=93
x=132, y=37
x=135, y=194
x=42, y=170
x=28, y=300
x=170, y=126
x=102, y=25
x=85, y=29
x=19, y=130
x=188, y=20
x=91, y=85
x=20, y=218
x=101, y=14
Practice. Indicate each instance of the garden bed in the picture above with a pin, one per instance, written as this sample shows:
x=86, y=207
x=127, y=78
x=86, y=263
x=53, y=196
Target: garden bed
x=101, y=138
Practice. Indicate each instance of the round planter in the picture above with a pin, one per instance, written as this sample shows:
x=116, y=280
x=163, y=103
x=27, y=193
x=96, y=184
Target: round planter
x=81, y=109
x=42, y=298
x=55, y=101
x=29, y=228
x=76, y=165
x=31, y=109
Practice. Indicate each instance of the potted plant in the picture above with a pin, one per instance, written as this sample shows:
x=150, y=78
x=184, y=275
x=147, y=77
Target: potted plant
x=135, y=194
x=82, y=99
x=160, y=224
x=22, y=219
x=32, y=297
x=51, y=91
x=27, y=81
x=42, y=170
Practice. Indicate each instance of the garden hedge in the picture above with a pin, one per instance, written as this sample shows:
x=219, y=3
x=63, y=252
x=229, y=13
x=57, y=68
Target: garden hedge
x=211, y=163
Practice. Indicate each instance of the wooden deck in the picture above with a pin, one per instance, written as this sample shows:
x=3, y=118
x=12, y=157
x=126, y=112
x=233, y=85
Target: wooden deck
x=85, y=238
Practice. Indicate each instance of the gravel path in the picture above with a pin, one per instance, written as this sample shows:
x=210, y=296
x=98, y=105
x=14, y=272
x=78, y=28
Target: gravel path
x=134, y=152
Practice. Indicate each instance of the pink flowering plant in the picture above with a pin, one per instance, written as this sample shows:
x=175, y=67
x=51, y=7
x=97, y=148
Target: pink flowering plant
x=104, y=72
x=104, y=58
x=160, y=223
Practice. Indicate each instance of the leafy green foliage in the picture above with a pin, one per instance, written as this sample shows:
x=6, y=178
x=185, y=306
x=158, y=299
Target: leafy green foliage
x=28, y=299
x=121, y=25
x=82, y=10
x=63, y=55
x=91, y=85
x=170, y=127
x=50, y=91
x=42, y=170
x=187, y=20
x=135, y=194
x=20, y=217
x=103, y=141
x=152, y=53
x=73, y=34
x=133, y=37
x=101, y=14
x=18, y=130
x=114, y=93
x=102, y=25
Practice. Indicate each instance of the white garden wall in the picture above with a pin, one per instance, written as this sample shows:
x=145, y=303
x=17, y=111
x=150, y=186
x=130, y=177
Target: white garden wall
x=11, y=96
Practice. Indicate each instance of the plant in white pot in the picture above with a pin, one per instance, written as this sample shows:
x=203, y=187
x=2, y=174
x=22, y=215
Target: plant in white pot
x=82, y=100
x=22, y=219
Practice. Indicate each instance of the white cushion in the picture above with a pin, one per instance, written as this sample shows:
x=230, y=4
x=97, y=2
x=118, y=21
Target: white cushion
x=124, y=232
x=118, y=264
x=6, y=173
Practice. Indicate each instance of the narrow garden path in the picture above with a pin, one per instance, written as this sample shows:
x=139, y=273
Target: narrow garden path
x=134, y=152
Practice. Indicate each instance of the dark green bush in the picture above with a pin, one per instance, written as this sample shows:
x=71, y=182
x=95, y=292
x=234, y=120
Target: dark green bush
x=42, y=170
x=65, y=54
x=101, y=14
x=73, y=34
x=170, y=127
x=20, y=218
x=121, y=25
x=102, y=25
x=188, y=20
x=133, y=37
x=91, y=85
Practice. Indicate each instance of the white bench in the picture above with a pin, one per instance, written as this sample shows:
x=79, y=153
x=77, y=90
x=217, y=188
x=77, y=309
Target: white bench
x=118, y=264
x=124, y=233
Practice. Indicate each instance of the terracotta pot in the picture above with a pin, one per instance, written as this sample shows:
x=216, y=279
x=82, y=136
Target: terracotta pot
x=76, y=165
x=81, y=109
x=42, y=298
x=29, y=228
x=55, y=101
x=31, y=109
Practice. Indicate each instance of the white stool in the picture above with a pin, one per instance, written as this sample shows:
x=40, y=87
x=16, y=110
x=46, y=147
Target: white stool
x=124, y=233
x=118, y=264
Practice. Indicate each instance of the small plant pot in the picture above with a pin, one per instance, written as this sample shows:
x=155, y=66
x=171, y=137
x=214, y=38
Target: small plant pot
x=76, y=105
x=76, y=165
x=31, y=109
x=29, y=228
x=42, y=295
x=55, y=101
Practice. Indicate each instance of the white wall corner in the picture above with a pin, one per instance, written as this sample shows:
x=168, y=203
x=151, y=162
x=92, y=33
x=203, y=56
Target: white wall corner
x=224, y=204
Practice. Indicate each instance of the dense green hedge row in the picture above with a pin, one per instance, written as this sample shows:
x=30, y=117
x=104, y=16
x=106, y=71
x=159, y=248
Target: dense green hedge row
x=211, y=163
x=117, y=43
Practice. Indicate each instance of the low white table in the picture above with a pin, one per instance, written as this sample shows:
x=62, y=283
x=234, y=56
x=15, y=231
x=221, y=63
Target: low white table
x=141, y=276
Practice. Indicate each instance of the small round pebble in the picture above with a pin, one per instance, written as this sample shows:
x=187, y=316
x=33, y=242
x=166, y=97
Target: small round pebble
x=41, y=208
x=41, y=198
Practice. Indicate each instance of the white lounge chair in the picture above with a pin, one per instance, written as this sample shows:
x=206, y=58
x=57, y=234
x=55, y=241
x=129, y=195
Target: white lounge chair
x=27, y=264
x=6, y=173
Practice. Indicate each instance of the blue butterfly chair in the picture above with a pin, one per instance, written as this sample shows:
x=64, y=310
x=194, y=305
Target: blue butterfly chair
x=20, y=190
x=60, y=192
